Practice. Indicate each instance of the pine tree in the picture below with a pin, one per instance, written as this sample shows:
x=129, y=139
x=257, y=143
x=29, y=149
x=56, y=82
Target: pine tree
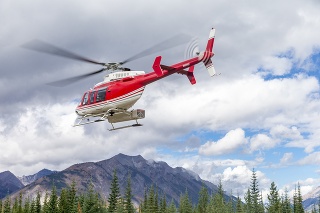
x=219, y=204
x=152, y=203
x=185, y=203
x=0, y=205
x=163, y=203
x=72, y=198
x=63, y=204
x=53, y=201
x=91, y=201
x=156, y=200
x=38, y=203
x=239, y=208
x=120, y=208
x=203, y=200
x=247, y=198
x=19, y=210
x=80, y=203
x=26, y=207
x=144, y=204
x=297, y=201
x=79, y=208
x=285, y=202
x=128, y=205
x=7, y=205
x=274, y=201
x=45, y=208
x=229, y=207
x=15, y=205
x=256, y=205
x=261, y=205
x=33, y=206
x=114, y=194
x=172, y=208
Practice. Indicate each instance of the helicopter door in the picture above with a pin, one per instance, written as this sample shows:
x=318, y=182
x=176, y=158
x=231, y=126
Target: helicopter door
x=92, y=95
x=101, y=95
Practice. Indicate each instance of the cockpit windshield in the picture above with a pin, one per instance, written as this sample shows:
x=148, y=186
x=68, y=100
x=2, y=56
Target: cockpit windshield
x=85, y=99
x=94, y=96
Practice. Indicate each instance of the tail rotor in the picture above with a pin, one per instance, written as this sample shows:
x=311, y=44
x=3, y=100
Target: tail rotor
x=192, y=48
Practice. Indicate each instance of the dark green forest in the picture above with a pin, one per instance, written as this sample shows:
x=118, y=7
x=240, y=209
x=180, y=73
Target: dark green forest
x=70, y=201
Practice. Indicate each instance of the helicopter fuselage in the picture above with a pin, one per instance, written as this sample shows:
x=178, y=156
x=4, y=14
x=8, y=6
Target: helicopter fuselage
x=121, y=90
x=112, y=98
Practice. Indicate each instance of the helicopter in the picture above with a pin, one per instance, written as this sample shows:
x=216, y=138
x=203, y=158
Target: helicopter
x=111, y=100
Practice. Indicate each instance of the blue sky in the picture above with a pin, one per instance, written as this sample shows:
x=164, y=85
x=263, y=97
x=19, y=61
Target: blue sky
x=262, y=112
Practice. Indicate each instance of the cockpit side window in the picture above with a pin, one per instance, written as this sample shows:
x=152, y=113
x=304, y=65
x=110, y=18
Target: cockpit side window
x=92, y=97
x=101, y=95
x=85, y=99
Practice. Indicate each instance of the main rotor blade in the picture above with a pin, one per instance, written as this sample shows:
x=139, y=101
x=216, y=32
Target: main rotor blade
x=67, y=81
x=44, y=47
x=167, y=44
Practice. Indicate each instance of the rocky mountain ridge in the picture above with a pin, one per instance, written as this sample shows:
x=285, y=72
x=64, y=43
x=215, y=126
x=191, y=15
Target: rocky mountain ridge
x=312, y=198
x=167, y=180
x=27, y=179
x=9, y=183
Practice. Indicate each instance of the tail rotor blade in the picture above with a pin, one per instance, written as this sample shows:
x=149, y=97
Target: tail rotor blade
x=192, y=49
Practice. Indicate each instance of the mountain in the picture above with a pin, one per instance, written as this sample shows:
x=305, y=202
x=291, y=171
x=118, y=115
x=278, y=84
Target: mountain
x=31, y=178
x=311, y=198
x=170, y=181
x=9, y=183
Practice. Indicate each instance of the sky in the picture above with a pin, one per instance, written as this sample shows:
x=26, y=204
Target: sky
x=262, y=112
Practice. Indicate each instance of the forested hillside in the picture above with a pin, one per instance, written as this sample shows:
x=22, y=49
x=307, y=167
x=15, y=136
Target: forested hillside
x=71, y=201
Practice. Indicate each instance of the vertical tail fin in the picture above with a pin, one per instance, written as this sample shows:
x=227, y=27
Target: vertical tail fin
x=210, y=67
x=208, y=53
x=211, y=40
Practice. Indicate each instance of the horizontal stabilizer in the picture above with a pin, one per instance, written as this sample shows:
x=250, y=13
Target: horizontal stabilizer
x=188, y=73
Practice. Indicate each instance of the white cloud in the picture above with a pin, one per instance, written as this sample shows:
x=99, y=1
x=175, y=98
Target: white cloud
x=312, y=158
x=281, y=131
x=311, y=141
x=276, y=65
x=229, y=143
x=287, y=158
x=262, y=142
x=237, y=180
x=308, y=187
x=44, y=137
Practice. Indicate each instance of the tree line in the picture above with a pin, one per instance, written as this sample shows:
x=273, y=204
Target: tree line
x=71, y=201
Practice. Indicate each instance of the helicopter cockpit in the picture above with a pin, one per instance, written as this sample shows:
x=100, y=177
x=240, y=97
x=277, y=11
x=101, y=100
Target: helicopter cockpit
x=94, y=96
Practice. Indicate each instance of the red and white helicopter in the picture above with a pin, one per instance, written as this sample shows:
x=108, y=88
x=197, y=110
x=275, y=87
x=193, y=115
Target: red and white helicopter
x=111, y=99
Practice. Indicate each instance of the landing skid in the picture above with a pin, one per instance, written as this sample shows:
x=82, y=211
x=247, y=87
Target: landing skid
x=88, y=119
x=124, y=127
